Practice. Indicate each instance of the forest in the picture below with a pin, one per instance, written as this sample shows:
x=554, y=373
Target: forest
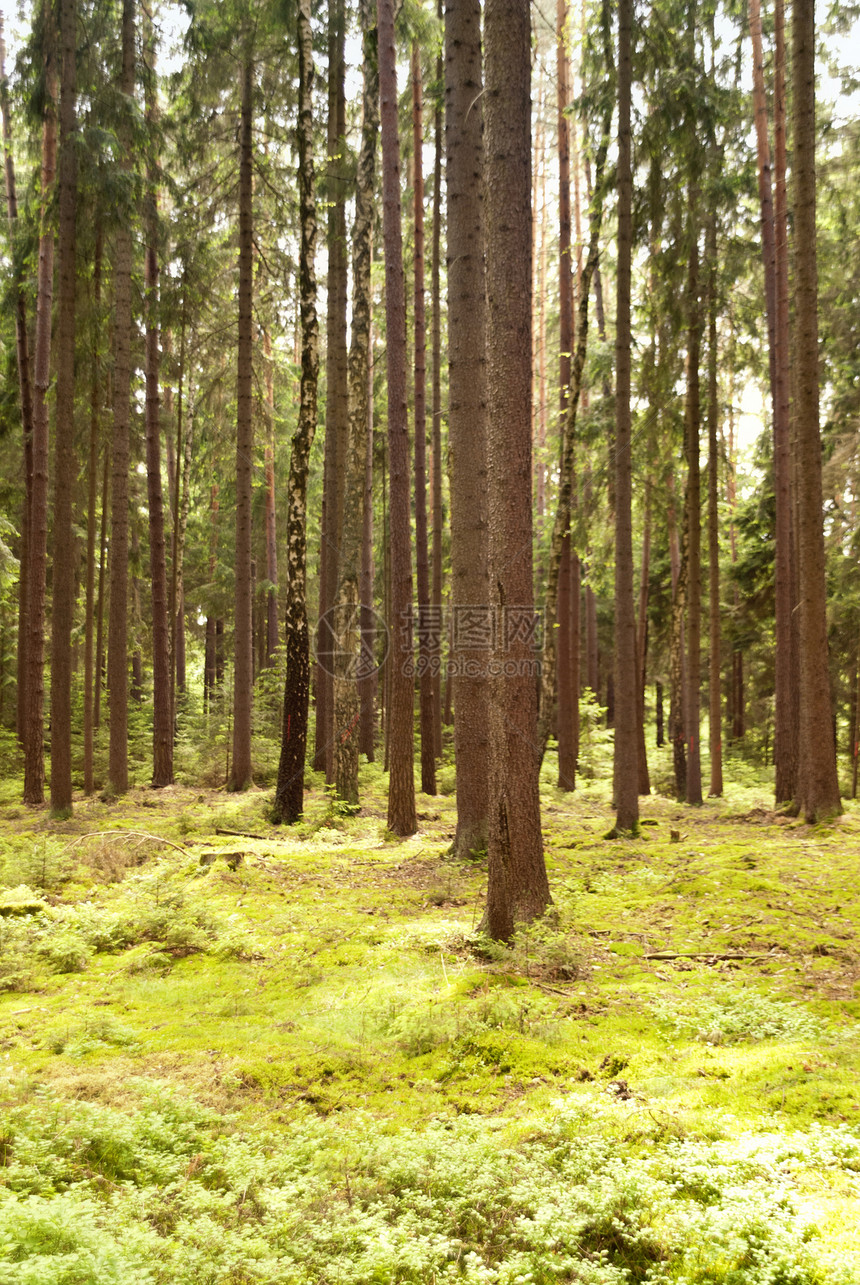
x=429, y=642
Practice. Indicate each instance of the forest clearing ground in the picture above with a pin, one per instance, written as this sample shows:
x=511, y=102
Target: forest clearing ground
x=657, y=1083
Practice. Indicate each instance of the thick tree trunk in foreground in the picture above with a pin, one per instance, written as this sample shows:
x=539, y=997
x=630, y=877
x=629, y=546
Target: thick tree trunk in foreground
x=289, y=793
x=401, y=791
x=351, y=660
x=626, y=754
x=65, y=464
x=34, y=728
x=517, y=890
x=243, y=673
x=467, y=423
x=818, y=785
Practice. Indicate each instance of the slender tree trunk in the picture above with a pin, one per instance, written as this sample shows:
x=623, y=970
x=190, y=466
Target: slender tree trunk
x=401, y=791
x=352, y=663
x=427, y=625
x=368, y=671
x=642, y=648
x=34, y=755
x=818, y=792
x=715, y=660
x=241, y=769
x=678, y=689
x=118, y=617
x=25, y=390
x=65, y=464
x=436, y=431
x=100, y=601
x=786, y=747
x=289, y=794
x=694, y=564
x=552, y=604
x=336, y=412
x=162, y=729
x=517, y=889
x=467, y=423
x=567, y=718
x=626, y=775
x=209, y=668
x=92, y=491
x=271, y=529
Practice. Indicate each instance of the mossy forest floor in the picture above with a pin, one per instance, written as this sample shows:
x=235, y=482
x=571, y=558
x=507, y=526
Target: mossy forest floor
x=233, y=1053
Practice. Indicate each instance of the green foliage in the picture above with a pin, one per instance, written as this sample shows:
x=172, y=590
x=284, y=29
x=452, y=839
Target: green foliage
x=735, y=1016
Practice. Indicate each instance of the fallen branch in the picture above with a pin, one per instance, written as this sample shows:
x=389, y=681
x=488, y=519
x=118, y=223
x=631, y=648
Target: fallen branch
x=243, y=834
x=706, y=954
x=135, y=834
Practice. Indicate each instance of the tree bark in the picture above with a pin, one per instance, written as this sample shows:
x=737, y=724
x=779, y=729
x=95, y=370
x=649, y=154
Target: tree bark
x=271, y=637
x=818, y=784
x=467, y=412
x=289, y=793
x=336, y=411
x=25, y=390
x=436, y=379
x=517, y=889
x=694, y=524
x=786, y=747
x=626, y=776
x=715, y=660
x=351, y=661
x=34, y=755
x=243, y=675
x=118, y=616
x=92, y=490
x=65, y=463
x=401, y=791
x=427, y=625
x=162, y=729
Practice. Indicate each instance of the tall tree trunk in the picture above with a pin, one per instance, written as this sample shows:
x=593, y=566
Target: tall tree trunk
x=715, y=660
x=118, y=617
x=352, y=661
x=818, y=784
x=209, y=668
x=642, y=648
x=626, y=777
x=100, y=598
x=401, y=791
x=567, y=712
x=368, y=670
x=65, y=464
x=243, y=676
x=678, y=692
x=694, y=524
x=289, y=793
x=34, y=755
x=428, y=626
x=517, y=888
x=436, y=379
x=162, y=729
x=467, y=411
x=561, y=525
x=25, y=391
x=336, y=412
x=786, y=747
x=271, y=637
x=92, y=490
